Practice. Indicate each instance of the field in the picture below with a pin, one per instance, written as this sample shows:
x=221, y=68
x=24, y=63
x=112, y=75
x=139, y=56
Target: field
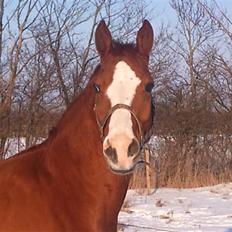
x=207, y=209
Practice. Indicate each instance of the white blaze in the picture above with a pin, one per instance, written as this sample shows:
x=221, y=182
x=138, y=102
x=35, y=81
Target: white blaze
x=122, y=90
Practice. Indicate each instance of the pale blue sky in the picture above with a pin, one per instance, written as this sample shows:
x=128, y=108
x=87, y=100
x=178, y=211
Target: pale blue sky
x=164, y=13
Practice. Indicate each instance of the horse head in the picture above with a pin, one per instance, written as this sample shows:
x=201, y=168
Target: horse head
x=123, y=98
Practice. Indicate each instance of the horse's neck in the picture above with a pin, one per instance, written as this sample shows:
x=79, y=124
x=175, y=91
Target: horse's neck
x=75, y=138
x=79, y=169
x=77, y=145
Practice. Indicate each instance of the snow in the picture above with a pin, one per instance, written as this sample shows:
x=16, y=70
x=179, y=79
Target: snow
x=15, y=145
x=202, y=209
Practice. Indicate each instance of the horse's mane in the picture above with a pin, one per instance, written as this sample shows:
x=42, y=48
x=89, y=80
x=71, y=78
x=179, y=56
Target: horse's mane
x=117, y=44
x=120, y=47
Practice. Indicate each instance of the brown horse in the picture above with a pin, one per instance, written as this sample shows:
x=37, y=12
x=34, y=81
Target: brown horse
x=77, y=179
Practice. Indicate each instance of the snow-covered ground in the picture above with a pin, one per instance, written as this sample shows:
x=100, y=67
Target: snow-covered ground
x=200, y=209
x=15, y=145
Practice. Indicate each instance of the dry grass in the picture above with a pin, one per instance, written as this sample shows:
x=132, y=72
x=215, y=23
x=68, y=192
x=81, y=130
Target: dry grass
x=126, y=207
x=178, y=179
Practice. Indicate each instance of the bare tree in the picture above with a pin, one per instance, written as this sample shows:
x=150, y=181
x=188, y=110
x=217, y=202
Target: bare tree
x=218, y=16
x=221, y=55
x=3, y=140
x=195, y=30
x=185, y=118
x=60, y=35
x=23, y=19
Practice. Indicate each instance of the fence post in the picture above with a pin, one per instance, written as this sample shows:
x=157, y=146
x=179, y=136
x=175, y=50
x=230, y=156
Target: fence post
x=148, y=176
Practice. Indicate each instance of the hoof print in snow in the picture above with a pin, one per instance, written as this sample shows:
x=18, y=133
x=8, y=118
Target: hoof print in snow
x=159, y=203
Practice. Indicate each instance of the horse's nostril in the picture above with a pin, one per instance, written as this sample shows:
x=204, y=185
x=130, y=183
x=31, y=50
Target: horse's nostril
x=133, y=148
x=111, y=154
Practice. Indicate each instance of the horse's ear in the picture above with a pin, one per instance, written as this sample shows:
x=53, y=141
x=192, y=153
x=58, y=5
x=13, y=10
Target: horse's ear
x=103, y=39
x=144, y=40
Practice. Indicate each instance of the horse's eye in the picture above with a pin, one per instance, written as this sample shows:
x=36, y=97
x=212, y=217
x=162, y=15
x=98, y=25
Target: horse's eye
x=96, y=88
x=149, y=87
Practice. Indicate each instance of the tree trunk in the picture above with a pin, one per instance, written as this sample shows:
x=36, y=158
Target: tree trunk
x=2, y=137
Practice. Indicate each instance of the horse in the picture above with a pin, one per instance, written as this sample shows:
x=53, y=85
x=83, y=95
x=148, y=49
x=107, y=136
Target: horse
x=77, y=179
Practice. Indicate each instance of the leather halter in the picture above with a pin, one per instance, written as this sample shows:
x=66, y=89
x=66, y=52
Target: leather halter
x=143, y=138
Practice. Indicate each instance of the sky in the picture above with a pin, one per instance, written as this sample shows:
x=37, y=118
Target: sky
x=161, y=13
x=164, y=13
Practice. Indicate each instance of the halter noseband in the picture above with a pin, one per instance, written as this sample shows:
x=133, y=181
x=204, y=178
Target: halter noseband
x=101, y=125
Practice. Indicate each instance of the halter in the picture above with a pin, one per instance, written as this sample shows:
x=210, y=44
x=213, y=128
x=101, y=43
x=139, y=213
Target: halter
x=143, y=138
